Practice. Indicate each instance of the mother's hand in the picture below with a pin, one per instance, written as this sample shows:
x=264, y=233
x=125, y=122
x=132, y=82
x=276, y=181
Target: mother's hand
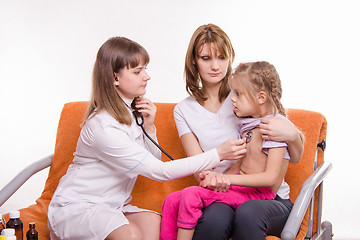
x=282, y=130
x=215, y=181
x=278, y=129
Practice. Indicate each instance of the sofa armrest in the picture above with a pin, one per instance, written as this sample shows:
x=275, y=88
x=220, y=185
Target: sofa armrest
x=22, y=177
x=303, y=199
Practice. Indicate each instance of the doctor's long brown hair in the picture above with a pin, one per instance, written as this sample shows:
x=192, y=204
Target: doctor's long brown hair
x=114, y=55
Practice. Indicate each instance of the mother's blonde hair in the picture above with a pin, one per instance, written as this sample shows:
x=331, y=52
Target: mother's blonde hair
x=113, y=56
x=208, y=33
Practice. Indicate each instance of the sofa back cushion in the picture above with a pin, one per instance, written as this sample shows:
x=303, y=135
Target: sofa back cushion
x=66, y=139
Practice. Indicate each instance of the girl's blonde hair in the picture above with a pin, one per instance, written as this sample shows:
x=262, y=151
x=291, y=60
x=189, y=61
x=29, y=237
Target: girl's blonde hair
x=113, y=56
x=261, y=76
x=208, y=33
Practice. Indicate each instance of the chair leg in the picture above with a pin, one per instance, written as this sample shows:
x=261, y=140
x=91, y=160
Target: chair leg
x=327, y=228
x=325, y=233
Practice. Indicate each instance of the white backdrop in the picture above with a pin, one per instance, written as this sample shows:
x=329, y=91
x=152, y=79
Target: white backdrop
x=48, y=47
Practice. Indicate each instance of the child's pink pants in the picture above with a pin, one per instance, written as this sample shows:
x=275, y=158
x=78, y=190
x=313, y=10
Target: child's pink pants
x=183, y=208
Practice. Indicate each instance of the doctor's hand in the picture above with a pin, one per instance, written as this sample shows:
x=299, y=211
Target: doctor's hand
x=232, y=149
x=148, y=110
x=215, y=181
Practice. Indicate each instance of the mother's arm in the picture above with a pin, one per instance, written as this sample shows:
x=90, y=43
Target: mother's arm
x=280, y=129
x=192, y=147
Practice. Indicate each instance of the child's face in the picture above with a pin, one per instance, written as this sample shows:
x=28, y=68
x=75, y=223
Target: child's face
x=132, y=81
x=212, y=65
x=243, y=107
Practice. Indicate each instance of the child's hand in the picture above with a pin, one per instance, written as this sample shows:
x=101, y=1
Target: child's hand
x=148, y=110
x=203, y=174
x=215, y=181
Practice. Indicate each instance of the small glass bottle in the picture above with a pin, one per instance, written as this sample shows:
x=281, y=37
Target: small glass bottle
x=9, y=233
x=2, y=223
x=15, y=223
x=32, y=234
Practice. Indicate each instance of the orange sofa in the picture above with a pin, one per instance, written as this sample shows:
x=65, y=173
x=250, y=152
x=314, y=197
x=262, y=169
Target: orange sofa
x=150, y=194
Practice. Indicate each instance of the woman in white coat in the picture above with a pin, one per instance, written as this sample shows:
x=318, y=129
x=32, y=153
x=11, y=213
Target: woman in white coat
x=91, y=201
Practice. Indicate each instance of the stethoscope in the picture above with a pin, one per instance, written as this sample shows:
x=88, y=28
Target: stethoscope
x=138, y=115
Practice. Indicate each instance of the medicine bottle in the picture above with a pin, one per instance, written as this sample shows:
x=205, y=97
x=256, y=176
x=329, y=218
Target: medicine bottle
x=9, y=233
x=15, y=223
x=32, y=234
x=2, y=223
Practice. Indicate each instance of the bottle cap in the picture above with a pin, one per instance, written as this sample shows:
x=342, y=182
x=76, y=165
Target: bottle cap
x=8, y=232
x=14, y=214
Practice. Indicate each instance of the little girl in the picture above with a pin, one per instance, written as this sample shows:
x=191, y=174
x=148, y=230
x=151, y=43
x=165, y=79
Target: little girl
x=258, y=175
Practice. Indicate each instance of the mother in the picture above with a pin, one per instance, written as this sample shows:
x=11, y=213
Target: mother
x=205, y=120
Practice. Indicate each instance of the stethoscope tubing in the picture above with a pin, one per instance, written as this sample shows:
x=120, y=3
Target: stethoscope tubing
x=141, y=125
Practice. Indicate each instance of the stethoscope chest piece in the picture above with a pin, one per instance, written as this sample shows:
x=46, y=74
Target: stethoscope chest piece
x=248, y=136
